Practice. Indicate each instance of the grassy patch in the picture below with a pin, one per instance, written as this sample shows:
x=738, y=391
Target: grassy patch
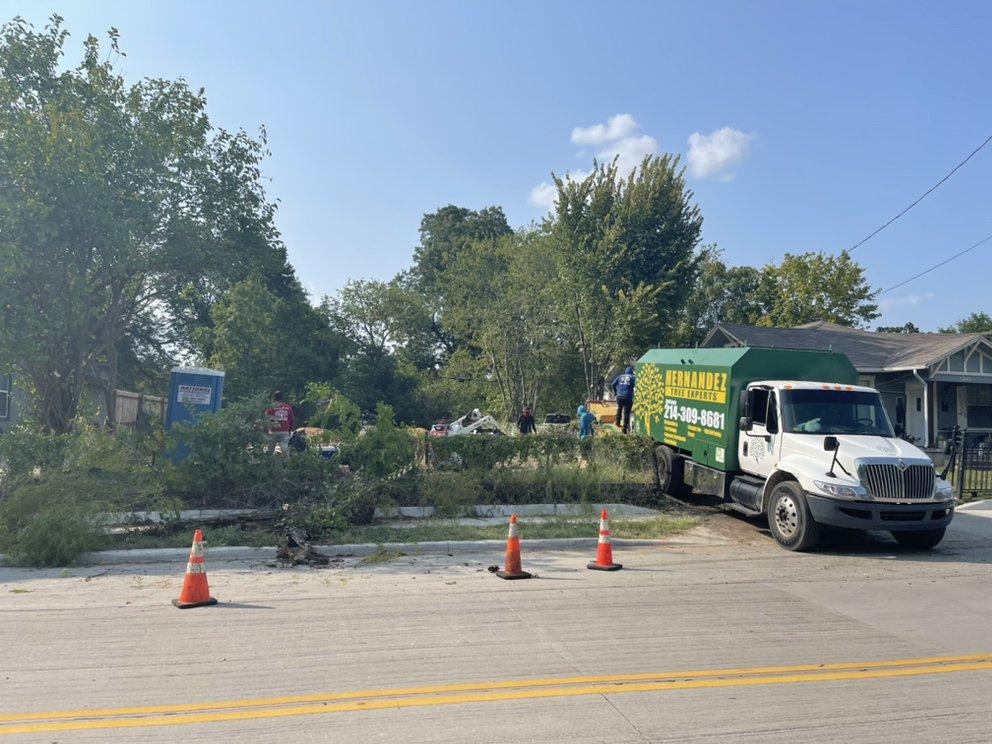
x=427, y=530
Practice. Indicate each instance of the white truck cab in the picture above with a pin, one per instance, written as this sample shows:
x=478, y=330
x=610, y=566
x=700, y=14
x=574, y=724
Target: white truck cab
x=814, y=453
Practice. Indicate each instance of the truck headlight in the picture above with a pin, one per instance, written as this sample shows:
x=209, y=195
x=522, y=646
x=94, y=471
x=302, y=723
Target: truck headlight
x=840, y=491
x=943, y=490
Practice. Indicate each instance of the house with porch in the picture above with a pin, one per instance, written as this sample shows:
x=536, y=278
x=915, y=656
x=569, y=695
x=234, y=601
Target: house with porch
x=930, y=382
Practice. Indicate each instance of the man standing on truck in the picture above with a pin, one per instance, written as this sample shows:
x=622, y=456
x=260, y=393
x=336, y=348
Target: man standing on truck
x=623, y=389
x=281, y=424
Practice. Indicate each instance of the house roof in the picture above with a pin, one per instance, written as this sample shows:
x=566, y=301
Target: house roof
x=867, y=350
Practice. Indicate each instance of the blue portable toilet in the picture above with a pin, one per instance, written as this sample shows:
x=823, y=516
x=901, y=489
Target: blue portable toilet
x=193, y=391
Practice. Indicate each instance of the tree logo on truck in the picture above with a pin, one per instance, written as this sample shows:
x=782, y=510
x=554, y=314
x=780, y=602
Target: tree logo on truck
x=649, y=397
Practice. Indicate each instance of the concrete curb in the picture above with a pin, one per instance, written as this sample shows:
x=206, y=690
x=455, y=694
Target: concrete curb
x=361, y=550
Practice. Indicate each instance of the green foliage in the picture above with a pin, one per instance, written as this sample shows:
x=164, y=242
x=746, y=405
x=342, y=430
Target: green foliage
x=444, y=234
x=25, y=448
x=266, y=342
x=905, y=328
x=802, y=289
x=333, y=411
x=245, y=339
x=384, y=450
x=977, y=322
x=816, y=286
x=100, y=234
x=41, y=524
x=367, y=313
x=227, y=463
x=723, y=294
x=625, y=249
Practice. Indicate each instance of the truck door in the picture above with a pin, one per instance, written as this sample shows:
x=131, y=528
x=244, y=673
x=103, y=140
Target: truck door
x=757, y=448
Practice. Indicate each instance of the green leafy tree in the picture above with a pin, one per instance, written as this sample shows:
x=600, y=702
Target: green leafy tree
x=626, y=253
x=244, y=339
x=816, y=286
x=118, y=203
x=364, y=313
x=503, y=306
x=263, y=342
x=721, y=294
x=977, y=322
x=444, y=234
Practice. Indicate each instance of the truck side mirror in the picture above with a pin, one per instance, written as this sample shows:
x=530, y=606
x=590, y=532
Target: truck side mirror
x=830, y=444
x=745, y=424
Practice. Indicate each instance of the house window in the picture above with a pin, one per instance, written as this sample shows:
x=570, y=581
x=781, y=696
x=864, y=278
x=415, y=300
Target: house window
x=979, y=406
x=4, y=397
x=957, y=361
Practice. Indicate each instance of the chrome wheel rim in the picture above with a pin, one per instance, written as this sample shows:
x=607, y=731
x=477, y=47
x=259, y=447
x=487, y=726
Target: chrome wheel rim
x=786, y=516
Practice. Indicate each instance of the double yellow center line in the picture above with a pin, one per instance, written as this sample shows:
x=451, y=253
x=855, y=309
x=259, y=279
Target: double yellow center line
x=480, y=692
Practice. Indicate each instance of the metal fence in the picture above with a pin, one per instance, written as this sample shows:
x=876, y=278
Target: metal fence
x=970, y=468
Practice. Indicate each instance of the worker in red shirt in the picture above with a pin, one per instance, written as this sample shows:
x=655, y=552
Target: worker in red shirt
x=281, y=424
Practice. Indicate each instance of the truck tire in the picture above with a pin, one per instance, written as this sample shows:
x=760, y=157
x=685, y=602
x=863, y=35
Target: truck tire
x=670, y=472
x=789, y=519
x=922, y=540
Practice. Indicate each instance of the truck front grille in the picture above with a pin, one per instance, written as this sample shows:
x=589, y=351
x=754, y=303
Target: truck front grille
x=891, y=482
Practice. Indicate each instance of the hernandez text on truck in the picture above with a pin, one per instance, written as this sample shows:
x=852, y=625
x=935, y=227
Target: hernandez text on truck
x=789, y=435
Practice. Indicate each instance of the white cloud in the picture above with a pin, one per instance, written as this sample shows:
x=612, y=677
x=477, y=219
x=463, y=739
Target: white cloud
x=904, y=301
x=545, y=194
x=629, y=152
x=716, y=153
x=616, y=127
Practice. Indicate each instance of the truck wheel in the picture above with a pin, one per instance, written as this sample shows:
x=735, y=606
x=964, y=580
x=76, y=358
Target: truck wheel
x=922, y=540
x=789, y=520
x=671, y=472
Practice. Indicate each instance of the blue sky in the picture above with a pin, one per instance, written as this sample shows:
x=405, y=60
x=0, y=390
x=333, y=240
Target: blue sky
x=829, y=118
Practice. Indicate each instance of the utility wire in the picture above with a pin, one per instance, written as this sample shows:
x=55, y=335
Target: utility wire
x=925, y=195
x=935, y=266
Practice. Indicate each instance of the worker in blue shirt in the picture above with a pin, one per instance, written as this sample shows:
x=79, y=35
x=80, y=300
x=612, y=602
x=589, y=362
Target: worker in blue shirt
x=586, y=421
x=623, y=389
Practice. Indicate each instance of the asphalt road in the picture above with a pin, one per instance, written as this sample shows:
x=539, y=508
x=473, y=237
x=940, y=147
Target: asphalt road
x=728, y=639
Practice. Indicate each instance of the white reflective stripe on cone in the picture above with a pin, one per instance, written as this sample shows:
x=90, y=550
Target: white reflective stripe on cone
x=194, y=568
x=197, y=550
x=604, y=538
x=513, y=529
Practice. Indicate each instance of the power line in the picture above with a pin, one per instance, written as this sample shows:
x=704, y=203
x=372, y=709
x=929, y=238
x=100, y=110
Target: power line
x=925, y=195
x=935, y=266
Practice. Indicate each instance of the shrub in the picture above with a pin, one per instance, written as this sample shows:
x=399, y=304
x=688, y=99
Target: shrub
x=384, y=450
x=24, y=449
x=51, y=521
x=226, y=462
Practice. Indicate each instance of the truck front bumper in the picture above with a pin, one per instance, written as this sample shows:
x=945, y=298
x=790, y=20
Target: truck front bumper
x=873, y=515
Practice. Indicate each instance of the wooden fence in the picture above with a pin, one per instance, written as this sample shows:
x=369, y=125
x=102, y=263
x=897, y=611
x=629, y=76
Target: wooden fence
x=130, y=407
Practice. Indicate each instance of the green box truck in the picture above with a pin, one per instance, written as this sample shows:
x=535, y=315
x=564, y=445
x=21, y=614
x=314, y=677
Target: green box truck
x=790, y=435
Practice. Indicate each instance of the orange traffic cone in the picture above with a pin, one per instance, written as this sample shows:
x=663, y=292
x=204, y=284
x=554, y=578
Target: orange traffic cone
x=195, y=591
x=513, y=569
x=604, y=551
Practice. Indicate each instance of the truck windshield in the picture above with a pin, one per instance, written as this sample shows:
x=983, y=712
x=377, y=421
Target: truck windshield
x=834, y=412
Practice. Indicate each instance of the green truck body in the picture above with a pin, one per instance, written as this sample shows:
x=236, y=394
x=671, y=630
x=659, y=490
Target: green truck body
x=689, y=398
